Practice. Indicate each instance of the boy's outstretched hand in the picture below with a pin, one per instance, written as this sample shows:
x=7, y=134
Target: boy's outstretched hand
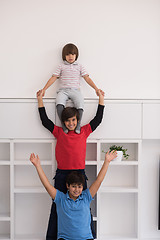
x=39, y=94
x=110, y=156
x=34, y=159
x=40, y=98
x=99, y=91
x=100, y=94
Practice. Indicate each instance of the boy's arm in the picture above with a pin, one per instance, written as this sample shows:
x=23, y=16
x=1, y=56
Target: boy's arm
x=94, y=123
x=46, y=122
x=95, y=186
x=36, y=162
x=91, y=83
x=49, y=83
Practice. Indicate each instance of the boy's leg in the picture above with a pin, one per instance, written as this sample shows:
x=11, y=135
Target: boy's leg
x=60, y=108
x=61, y=99
x=78, y=128
x=92, y=226
x=78, y=101
x=52, y=224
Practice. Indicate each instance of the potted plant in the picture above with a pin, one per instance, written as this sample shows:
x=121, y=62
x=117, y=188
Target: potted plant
x=121, y=152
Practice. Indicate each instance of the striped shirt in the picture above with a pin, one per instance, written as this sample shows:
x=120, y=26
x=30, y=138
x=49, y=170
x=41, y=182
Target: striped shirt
x=70, y=74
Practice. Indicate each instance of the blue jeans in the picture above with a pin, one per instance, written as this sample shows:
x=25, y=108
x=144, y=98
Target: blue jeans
x=60, y=184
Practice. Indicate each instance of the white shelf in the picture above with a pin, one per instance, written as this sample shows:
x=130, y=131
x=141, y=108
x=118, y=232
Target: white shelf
x=123, y=163
x=29, y=190
x=29, y=237
x=91, y=163
x=106, y=237
x=5, y=162
x=4, y=217
x=25, y=162
x=95, y=219
x=33, y=140
x=113, y=141
x=118, y=190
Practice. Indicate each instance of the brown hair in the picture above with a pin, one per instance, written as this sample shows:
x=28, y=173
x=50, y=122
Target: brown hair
x=69, y=112
x=75, y=177
x=69, y=48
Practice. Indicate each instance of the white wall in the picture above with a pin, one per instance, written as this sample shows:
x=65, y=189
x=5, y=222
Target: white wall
x=118, y=42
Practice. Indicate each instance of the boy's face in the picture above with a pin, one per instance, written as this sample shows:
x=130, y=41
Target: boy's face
x=71, y=123
x=74, y=190
x=70, y=58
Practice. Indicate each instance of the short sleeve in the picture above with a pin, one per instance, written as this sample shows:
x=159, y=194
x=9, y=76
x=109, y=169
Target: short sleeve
x=56, y=131
x=87, y=129
x=58, y=71
x=83, y=71
x=59, y=196
x=88, y=195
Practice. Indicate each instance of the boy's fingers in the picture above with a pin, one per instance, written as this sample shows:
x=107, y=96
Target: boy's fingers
x=107, y=153
x=32, y=155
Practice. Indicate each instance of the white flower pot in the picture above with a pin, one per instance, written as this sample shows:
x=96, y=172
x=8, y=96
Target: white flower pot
x=119, y=156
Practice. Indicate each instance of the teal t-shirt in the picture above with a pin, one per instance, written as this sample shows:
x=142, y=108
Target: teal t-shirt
x=74, y=217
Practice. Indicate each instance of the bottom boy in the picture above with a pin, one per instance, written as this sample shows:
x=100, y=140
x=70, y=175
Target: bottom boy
x=73, y=208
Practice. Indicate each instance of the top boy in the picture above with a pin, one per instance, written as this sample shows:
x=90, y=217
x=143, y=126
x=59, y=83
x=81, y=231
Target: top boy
x=69, y=74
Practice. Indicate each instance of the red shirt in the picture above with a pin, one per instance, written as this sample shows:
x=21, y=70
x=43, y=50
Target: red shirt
x=71, y=147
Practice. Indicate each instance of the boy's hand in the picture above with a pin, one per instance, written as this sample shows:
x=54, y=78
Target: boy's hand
x=34, y=159
x=110, y=156
x=100, y=94
x=99, y=91
x=40, y=98
x=39, y=94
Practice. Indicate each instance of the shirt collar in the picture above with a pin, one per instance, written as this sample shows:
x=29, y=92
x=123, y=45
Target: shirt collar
x=67, y=63
x=79, y=198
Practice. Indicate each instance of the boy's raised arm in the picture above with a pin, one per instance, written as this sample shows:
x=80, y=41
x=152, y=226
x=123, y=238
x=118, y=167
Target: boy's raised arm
x=46, y=122
x=100, y=94
x=40, y=99
x=90, y=82
x=48, y=84
x=36, y=162
x=94, y=123
x=96, y=184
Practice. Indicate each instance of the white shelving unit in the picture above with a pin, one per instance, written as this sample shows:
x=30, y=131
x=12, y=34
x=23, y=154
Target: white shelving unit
x=24, y=215
x=24, y=203
x=121, y=205
x=119, y=194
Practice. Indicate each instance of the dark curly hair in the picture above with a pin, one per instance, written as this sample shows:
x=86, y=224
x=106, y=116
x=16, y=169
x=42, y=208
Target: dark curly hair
x=75, y=177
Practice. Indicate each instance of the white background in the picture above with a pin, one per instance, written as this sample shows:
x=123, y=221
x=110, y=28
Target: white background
x=118, y=40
